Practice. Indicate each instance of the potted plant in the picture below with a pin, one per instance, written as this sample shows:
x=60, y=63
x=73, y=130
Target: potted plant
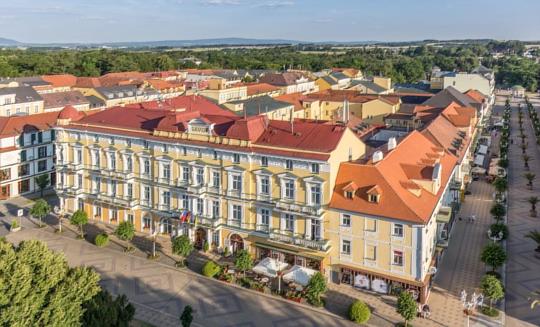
x=535, y=236
x=533, y=200
x=15, y=227
x=530, y=178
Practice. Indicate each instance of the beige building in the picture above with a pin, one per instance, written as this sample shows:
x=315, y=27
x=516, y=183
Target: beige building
x=235, y=183
x=221, y=93
x=20, y=100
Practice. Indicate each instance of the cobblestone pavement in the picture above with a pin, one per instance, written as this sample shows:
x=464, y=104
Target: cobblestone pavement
x=523, y=269
x=160, y=292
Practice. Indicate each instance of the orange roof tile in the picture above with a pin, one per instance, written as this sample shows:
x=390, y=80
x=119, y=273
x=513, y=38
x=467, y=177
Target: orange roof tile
x=61, y=80
x=15, y=125
x=476, y=95
x=394, y=183
x=260, y=88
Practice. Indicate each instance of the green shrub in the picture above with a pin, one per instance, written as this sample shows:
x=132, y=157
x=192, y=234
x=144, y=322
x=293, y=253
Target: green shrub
x=101, y=240
x=211, y=269
x=496, y=228
x=14, y=224
x=359, y=312
x=206, y=247
x=490, y=312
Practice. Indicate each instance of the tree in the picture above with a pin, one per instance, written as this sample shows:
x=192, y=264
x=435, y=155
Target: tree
x=526, y=159
x=38, y=288
x=316, y=288
x=79, y=218
x=500, y=184
x=406, y=306
x=42, y=181
x=40, y=209
x=533, y=200
x=498, y=211
x=186, y=318
x=359, y=312
x=493, y=255
x=535, y=236
x=125, y=231
x=497, y=228
x=492, y=288
x=530, y=178
x=182, y=246
x=104, y=310
x=243, y=261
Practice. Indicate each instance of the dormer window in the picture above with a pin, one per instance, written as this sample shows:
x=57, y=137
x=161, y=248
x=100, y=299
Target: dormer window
x=374, y=198
x=349, y=194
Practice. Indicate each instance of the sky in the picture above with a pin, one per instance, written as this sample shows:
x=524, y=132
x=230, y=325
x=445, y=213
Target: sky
x=46, y=21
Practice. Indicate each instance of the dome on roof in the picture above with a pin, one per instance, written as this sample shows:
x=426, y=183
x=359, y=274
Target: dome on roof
x=69, y=112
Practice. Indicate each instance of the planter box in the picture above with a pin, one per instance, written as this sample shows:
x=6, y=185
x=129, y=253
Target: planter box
x=16, y=229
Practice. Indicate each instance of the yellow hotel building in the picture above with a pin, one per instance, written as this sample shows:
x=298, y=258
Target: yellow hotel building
x=252, y=183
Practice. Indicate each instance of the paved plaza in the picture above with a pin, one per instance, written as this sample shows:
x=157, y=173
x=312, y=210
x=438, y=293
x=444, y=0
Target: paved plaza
x=523, y=269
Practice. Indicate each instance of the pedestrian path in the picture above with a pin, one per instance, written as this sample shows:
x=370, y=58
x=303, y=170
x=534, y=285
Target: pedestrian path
x=523, y=269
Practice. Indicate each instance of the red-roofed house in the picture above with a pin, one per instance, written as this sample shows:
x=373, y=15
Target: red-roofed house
x=240, y=182
x=384, y=216
x=26, y=152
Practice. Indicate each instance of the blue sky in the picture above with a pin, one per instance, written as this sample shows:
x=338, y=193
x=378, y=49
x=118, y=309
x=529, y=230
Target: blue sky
x=306, y=20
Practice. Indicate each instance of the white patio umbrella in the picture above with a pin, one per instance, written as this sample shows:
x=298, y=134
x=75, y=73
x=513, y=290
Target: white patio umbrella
x=270, y=267
x=299, y=275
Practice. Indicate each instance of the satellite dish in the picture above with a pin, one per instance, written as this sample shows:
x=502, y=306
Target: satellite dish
x=432, y=270
x=56, y=209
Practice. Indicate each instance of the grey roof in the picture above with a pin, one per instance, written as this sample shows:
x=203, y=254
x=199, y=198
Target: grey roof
x=31, y=81
x=260, y=105
x=447, y=96
x=339, y=75
x=95, y=101
x=62, y=99
x=481, y=69
x=118, y=92
x=329, y=80
x=369, y=85
x=229, y=75
x=23, y=94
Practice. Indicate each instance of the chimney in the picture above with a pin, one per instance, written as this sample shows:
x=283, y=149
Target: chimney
x=392, y=143
x=377, y=156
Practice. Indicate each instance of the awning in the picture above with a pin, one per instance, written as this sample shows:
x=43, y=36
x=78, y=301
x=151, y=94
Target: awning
x=482, y=149
x=269, y=267
x=444, y=215
x=479, y=160
x=299, y=275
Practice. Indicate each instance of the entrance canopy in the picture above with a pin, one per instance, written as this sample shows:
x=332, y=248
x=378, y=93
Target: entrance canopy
x=479, y=160
x=483, y=149
x=270, y=267
x=299, y=275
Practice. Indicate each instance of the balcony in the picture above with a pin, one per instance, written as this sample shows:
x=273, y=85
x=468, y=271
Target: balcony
x=455, y=185
x=182, y=183
x=117, y=200
x=165, y=181
x=208, y=221
x=117, y=174
x=298, y=240
x=234, y=193
x=264, y=197
x=196, y=189
x=71, y=191
x=299, y=207
x=69, y=166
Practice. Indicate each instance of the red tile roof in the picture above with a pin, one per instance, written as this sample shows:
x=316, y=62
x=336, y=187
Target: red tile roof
x=186, y=103
x=61, y=80
x=15, y=125
x=476, y=95
x=88, y=82
x=394, y=179
x=260, y=88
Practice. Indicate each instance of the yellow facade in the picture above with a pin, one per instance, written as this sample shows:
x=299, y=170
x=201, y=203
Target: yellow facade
x=291, y=220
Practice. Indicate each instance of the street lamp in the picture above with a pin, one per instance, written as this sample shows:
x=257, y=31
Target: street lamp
x=495, y=238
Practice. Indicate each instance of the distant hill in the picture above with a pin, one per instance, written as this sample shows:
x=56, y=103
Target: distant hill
x=202, y=42
x=8, y=42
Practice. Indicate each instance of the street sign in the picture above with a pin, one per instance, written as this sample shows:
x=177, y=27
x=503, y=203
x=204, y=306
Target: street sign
x=20, y=213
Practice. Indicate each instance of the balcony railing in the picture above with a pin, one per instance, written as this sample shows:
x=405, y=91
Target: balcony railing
x=299, y=207
x=117, y=200
x=299, y=240
x=208, y=220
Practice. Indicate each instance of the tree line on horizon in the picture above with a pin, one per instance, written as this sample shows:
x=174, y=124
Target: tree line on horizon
x=405, y=65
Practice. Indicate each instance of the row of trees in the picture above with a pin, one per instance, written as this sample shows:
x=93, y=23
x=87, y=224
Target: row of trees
x=408, y=65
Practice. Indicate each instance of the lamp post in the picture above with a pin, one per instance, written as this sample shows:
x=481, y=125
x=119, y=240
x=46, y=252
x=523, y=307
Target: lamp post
x=495, y=238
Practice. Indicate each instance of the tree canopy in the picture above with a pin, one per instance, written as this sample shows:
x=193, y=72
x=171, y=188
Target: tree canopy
x=38, y=288
x=405, y=64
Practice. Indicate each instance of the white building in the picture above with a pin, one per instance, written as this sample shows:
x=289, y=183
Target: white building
x=26, y=152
